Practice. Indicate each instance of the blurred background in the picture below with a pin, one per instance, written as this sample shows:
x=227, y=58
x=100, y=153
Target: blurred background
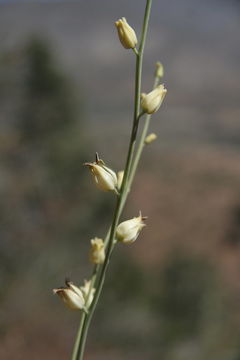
x=66, y=91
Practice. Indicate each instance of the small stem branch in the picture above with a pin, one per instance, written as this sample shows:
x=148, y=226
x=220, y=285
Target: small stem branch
x=141, y=143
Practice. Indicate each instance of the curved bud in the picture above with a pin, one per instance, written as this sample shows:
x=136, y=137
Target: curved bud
x=71, y=295
x=88, y=293
x=104, y=178
x=97, y=252
x=128, y=230
x=126, y=34
x=152, y=101
x=159, y=70
x=150, y=138
x=120, y=176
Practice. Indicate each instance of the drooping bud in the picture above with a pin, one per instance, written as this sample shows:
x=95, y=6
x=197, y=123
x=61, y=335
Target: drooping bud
x=97, y=252
x=104, y=178
x=150, y=138
x=126, y=34
x=159, y=70
x=152, y=101
x=71, y=295
x=88, y=293
x=128, y=231
x=120, y=176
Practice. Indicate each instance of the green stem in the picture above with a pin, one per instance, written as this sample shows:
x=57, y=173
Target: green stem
x=141, y=143
x=138, y=153
x=78, y=337
x=86, y=319
x=83, y=315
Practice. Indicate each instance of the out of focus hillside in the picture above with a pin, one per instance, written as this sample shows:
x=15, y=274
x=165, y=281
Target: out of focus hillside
x=66, y=91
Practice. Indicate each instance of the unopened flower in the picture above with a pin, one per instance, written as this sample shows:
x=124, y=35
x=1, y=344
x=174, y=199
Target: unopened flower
x=150, y=138
x=152, y=101
x=104, y=178
x=97, y=252
x=128, y=230
x=159, y=70
x=71, y=295
x=120, y=175
x=126, y=34
x=88, y=293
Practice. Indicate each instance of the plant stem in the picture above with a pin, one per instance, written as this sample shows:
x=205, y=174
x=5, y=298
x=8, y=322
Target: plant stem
x=83, y=315
x=138, y=153
x=141, y=143
x=86, y=318
x=78, y=337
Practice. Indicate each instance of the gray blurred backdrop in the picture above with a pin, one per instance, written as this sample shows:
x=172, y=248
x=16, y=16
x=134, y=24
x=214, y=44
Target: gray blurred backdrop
x=66, y=91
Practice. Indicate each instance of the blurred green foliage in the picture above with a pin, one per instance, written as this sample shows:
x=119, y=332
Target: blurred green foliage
x=50, y=102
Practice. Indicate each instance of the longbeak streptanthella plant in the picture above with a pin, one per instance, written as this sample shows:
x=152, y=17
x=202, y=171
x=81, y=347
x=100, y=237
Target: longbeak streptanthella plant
x=85, y=298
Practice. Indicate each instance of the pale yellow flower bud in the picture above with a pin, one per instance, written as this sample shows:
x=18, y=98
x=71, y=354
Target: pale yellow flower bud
x=159, y=70
x=97, y=252
x=126, y=34
x=150, y=138
x=71, y=295
x=104, y=178
x=88, y=297
x=120, y=175
x=128, y=230
x=152, y=101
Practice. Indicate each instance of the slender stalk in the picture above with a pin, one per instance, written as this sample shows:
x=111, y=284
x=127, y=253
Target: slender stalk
x=78, y=337
x=138, y=153
x=83, y=314
x=141, y=143
x=85, y=321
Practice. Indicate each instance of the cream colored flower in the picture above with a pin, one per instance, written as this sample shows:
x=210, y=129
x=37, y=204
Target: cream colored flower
x=97, y=251
x=150, y=138
x=104, y=178
x=126, y=34
x=152, y=101
x=128, y=230
x=88, y=296
x=71, y=295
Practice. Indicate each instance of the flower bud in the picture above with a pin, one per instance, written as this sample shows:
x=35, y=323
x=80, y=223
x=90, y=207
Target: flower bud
x=97, y=252
x=88, y=293
x=152, y=101
x=150, y=138
x=120, y=176
x=159, y=70
x=71, y=295
x=104, y=178
x=126, y=34
x=128, y=230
